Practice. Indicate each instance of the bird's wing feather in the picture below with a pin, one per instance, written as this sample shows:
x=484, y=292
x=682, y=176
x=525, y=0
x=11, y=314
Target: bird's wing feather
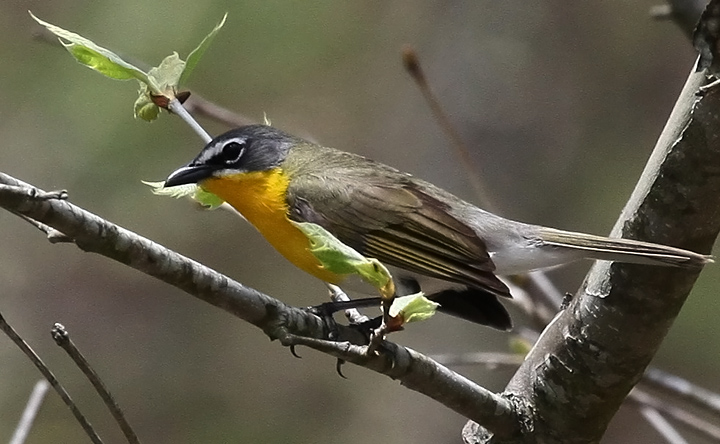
x=385, y=214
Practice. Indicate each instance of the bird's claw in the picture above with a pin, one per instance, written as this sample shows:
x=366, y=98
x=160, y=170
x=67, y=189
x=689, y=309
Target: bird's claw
x=338, y=367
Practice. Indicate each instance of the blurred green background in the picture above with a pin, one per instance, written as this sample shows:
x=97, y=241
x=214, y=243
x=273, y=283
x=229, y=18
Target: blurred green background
x=561, y=103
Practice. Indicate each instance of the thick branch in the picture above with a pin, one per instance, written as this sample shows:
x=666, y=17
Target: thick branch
x=589, y=358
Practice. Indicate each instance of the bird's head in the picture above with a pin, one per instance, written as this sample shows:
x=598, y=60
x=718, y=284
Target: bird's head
x=241, y=150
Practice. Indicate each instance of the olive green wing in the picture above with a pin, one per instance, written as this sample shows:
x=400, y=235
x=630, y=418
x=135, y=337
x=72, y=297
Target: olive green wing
x=384, y=214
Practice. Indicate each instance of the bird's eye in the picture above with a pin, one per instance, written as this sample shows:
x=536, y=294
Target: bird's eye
x=232, y=152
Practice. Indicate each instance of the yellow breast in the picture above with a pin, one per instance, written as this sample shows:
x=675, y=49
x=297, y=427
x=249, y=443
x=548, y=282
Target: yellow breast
x=260, y=197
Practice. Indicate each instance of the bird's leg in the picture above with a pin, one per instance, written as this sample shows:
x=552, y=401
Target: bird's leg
x=327, y=309
x=337, y=295
x=340, y=301
x=335, y=306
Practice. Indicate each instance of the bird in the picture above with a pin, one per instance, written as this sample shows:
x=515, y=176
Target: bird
x=424, y=233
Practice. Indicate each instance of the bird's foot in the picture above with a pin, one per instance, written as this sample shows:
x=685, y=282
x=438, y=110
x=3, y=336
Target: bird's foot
x=325, y=312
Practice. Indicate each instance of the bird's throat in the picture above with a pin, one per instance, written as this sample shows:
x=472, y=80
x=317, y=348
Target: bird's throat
x=260, y=197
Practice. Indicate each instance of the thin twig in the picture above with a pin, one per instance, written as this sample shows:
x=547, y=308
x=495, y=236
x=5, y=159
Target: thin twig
x=708, y=429
x=662, y=426
x=31, y=410
x=22, y=345
x=413, y=67
x=547, y=297
x=53, y=235
x=176, y=107
x=701, y=397
x=62, y=338
x=492, y=360
x=200, y=106
x=536, y=296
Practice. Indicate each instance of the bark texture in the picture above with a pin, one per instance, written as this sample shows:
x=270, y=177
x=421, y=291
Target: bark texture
x=593, y=353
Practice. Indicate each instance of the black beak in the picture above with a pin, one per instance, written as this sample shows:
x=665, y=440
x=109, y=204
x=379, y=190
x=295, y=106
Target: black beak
x=188, y=174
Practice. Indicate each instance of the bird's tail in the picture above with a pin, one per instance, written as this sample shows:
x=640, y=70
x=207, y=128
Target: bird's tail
x=623, y=250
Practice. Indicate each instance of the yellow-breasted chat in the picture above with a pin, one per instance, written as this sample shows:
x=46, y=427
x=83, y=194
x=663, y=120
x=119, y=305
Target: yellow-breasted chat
x=273, y=178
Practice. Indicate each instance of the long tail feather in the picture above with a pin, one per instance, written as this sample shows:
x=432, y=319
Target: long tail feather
x=623, y=250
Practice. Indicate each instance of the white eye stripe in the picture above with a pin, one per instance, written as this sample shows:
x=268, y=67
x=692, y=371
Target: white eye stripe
x=238, y=140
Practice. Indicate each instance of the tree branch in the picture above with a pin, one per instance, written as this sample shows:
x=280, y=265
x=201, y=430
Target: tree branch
x=50, y=377
x=31, y=409
x=662, y=425
x=94, y=234
x=684, y=389
x=708, y=429
x=62, y=338
x=422, y=374
x=199, y=105
x=290, y=325
x=589, y=358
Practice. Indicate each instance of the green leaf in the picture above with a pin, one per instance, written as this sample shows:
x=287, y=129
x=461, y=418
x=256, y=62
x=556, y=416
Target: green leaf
x=162, y=83
x=413, y=308
x=166, y=76
x=164, y=79
x=93, y=56
x=197, y=53
x=341, y=259
x=207, y=199
x=194, y=191
x=158, y=87
x=177, y=192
